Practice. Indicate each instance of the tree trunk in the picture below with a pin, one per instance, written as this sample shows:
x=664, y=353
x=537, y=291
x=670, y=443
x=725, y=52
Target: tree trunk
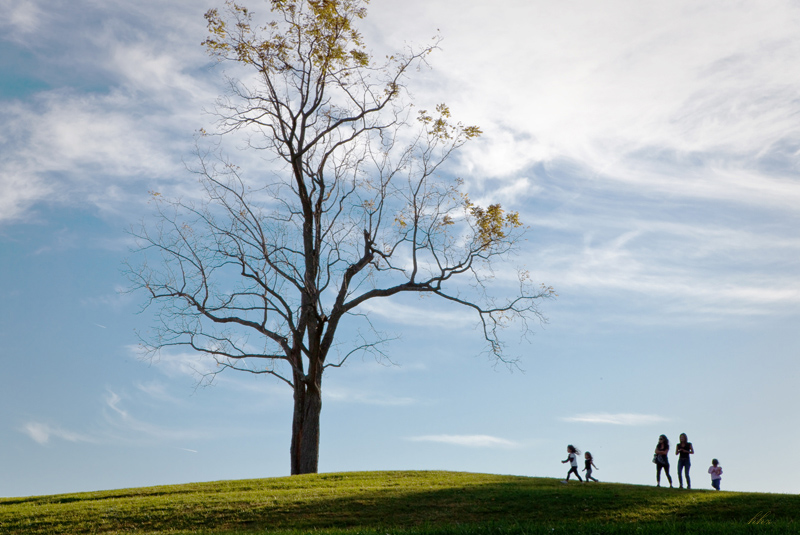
x=305, y=427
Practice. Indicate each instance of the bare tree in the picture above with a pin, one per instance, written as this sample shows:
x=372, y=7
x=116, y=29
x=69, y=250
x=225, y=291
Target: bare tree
x=263, y=272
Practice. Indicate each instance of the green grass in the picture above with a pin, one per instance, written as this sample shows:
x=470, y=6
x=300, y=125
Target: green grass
x=403, y=503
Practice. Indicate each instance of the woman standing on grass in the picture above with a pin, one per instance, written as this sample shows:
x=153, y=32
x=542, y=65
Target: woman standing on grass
x=662, y=459
x=683, y=450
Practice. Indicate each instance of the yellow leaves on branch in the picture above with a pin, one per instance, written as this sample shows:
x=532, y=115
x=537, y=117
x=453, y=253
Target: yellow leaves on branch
x=441, y=128
x=319, y=30
x=492, y=223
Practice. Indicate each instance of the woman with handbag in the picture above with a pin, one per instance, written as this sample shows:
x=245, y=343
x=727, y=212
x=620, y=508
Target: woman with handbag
x=661, y=458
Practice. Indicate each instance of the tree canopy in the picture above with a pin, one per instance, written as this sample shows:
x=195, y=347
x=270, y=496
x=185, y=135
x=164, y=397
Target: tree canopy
x=351, y=205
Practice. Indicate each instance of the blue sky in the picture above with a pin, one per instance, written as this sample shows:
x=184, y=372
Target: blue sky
x=652, y=148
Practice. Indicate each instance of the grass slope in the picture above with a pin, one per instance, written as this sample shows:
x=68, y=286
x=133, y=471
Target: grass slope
x=405, y=503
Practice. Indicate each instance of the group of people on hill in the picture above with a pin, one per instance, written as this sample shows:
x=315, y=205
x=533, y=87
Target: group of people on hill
x=661, y=459
x=683, y=450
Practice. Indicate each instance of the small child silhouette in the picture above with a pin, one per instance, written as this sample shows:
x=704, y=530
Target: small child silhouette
x=589, y=463
x=716, y=473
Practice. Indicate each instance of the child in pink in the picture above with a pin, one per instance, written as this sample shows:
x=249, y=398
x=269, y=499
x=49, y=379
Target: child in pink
x=716, y=473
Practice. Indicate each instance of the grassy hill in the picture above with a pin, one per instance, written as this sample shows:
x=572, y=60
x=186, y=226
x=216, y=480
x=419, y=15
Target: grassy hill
x=379, y=503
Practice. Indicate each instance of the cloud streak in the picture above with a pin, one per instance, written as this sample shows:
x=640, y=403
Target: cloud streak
x=126, y=427
x=627, y=419
x=21, y=18
x=119, y=426
x=421, y=315
x=345, y=395
x=42, y=433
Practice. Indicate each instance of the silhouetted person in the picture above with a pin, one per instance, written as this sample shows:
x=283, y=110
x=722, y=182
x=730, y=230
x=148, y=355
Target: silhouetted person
x=589, y=463
x=716, y=473
x=683, y=450
x=662, y=459
x=572, y=458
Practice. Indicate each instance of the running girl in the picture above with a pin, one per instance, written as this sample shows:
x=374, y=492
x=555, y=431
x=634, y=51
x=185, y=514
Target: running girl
x=572, y=458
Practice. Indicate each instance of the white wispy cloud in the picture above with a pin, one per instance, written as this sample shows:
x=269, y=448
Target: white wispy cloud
x=67, y=147
x=471, y=441
x=193, y=370
x=602, y=87
x=686, y=102
x=115, y=298
x=158, y=391
x=17, y=195
x=683, y=101
x=689, y=270
x=43, y=432
x=113, y=401
x=126, y=427
x=421, y=314
x=149, y=69
x=617, y=418
x=119, y=426
x=382, y=366
x=178, y=363
x=20, y=19
x=360, y=396
x=75, y=146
